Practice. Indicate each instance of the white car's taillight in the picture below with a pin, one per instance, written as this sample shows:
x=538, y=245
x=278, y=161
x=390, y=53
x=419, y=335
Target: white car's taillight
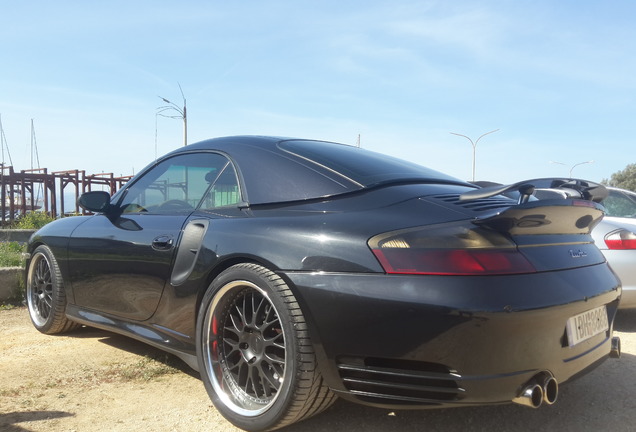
x=621, y=239
x=450, y=249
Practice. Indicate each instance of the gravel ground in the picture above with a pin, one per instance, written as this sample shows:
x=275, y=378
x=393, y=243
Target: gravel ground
x=91, y=380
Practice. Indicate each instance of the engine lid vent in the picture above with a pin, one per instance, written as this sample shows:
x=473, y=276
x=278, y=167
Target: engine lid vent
x=477, y=205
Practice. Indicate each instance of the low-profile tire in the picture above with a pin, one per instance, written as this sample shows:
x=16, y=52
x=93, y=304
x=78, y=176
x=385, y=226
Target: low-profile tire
x=45, y=294
x=255, y=357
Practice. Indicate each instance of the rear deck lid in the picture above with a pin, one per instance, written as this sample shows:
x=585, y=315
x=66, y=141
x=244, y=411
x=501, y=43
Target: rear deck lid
x=498, y=238
x=551, y=234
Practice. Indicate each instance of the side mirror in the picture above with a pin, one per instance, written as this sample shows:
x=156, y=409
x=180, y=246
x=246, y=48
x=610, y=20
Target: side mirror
x=96, y=201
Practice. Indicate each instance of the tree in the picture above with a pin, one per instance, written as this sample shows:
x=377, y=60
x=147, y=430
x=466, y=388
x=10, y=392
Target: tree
x=625, y=179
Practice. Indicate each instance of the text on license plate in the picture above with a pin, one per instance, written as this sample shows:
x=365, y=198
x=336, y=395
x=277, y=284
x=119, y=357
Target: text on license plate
x=586, y=325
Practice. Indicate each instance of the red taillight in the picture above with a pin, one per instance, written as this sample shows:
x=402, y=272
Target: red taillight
x=453, y=261
x=621, y=239
x=450, y=249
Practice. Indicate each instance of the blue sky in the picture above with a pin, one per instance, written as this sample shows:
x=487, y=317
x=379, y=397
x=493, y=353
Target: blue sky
x=557, y=79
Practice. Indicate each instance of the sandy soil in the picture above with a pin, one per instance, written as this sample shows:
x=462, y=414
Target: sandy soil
x=91, y=380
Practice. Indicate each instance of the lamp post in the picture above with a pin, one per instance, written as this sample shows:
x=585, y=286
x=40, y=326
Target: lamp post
x=474, y=144
x=573, y=166
x=182, y=113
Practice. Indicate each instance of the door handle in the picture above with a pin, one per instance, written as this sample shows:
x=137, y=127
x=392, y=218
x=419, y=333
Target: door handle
x=163, y=242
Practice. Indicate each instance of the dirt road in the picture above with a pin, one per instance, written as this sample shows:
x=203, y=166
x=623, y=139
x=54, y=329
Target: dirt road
x=93, y=380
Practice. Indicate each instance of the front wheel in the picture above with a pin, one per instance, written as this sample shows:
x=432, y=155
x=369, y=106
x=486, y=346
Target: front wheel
x=45, y=294
x=254, y=352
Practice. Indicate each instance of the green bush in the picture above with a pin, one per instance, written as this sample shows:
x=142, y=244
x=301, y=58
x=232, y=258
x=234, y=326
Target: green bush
x=32, y=220
x=11, y=254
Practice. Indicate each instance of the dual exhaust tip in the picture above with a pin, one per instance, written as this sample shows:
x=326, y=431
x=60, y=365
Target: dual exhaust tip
x=543, y=388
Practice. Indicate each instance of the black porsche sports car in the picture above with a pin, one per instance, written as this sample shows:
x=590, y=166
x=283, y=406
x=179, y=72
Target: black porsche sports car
x=291, y=271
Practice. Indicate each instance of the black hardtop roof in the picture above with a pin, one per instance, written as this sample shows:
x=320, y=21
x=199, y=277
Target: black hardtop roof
x=232, y=143
x=280, y=169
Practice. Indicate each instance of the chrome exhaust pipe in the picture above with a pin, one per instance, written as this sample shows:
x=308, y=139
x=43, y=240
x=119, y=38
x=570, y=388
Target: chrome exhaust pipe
x=531, y=395
x=615, y=347
x=542, y=388
x=550, y=388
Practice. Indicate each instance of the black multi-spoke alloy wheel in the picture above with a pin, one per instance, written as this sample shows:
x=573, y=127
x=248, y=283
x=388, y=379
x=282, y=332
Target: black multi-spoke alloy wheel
x=255, y=356
x=45, y=293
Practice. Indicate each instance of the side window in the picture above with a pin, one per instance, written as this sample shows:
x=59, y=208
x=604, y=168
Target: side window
x=223, y=190
x=182, y=183
x=619, y=204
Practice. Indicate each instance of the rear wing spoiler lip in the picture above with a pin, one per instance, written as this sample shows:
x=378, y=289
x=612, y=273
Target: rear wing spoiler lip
x=586, y=189
x=566, y=202
x=551, y=216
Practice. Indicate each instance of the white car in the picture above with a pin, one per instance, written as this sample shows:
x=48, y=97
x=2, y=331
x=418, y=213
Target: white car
x=615, y=236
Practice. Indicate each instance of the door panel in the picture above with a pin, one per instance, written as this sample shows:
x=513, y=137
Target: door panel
x=119, y=263
x=117, y=268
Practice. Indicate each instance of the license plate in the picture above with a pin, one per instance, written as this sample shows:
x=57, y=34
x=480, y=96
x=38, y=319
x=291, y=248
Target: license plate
x=586, y=325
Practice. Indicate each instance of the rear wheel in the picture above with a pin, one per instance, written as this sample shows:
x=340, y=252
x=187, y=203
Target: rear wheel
x=255, y=356
x=45, y=294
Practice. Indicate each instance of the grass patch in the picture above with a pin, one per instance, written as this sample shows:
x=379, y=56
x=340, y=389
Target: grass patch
x=11, y=254
x=147, y=369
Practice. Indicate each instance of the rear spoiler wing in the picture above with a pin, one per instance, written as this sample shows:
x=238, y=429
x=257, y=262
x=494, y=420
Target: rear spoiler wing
x=551, y=187
x=550, y=216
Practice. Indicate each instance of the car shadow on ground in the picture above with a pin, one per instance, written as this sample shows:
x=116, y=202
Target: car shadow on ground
x=625, y=321
x=9, y=422
x=133, y=346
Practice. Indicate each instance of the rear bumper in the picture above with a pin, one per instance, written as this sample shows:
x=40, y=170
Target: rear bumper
x=430, y=341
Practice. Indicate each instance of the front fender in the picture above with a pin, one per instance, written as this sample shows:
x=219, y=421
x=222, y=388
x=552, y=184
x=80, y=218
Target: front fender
x=56, y=235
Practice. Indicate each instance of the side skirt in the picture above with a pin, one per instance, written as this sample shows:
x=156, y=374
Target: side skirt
x=150, y=334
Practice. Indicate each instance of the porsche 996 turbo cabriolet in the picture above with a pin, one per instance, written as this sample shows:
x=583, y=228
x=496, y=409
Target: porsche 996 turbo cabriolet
x=289, y=272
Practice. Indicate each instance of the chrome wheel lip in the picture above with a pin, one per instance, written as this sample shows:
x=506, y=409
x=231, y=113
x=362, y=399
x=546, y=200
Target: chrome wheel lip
x=39, y=289
x=223, y=383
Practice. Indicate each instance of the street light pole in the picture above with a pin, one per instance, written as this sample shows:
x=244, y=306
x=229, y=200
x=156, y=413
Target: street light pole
x=474, y=144
x=573, y=166
x=580, y=163
x=182, y=113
